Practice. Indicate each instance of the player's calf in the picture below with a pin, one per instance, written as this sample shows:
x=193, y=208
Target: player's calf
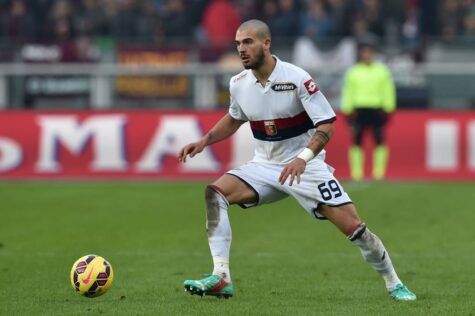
x=376, y=255
x=219, y=231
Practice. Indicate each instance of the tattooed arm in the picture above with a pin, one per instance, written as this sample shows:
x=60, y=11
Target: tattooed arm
x=321, y=138
x=226, y=126
x=297, y=166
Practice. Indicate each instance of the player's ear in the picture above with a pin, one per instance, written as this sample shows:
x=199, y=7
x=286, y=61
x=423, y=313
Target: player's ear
x=267, y=43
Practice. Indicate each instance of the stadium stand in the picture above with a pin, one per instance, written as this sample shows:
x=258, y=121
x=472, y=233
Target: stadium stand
x=419, y=39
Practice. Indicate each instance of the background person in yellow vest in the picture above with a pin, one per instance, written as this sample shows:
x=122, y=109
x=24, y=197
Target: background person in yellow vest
x=368, y=99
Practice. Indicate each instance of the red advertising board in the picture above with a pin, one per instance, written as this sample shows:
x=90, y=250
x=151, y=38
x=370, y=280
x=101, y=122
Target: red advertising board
x=423, y=145
x=143, y=144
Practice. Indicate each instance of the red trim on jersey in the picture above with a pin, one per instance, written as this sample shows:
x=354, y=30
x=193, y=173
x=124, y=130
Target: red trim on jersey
x=282, y=123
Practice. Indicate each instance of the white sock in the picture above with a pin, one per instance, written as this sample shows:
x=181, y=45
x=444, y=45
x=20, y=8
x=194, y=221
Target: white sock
x=221, y=268
x=219, y=231
x=376, y=255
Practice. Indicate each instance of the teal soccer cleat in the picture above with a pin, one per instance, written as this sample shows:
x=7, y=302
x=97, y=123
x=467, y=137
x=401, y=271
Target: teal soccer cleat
x=402, y=293
x=213, y=285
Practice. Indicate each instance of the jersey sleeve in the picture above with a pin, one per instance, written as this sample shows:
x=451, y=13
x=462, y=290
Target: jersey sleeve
x=314, y=102
x=236, y=112
x=235, y=109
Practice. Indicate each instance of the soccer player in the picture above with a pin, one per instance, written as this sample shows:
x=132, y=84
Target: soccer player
x=291, y=122
x=368, y=99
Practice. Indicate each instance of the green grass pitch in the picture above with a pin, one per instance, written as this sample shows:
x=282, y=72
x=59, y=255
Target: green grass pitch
x=283, y=261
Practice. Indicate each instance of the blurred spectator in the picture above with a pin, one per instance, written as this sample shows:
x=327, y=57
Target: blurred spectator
x=270, y=11
x=286, y=23
x=220, y=21
x=312, y=57
x=371, y=12
x=411, y=27
x=61, y=10
x=214, y=22
x=60, y=22
x=196, y=9
x=360, y=31
x=85, y=50
x=18, y=23
x=177, y=22
x=248, y=9
x=39, y=13
x=91, y=20
x=450, y=19
x=125, y=21
x=429, y=20
x=159, y=6
x=315, y=23
x=63, y=31
x=338, y=13
x=469, y=23
x=110, y=13
x=149, y=27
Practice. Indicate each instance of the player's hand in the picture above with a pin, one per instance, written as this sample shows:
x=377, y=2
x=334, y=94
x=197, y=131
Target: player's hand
x=191, y=150
x=294, y=169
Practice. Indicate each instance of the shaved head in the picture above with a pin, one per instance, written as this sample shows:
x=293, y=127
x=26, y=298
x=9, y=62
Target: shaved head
x=261, y=29
x=253, y=44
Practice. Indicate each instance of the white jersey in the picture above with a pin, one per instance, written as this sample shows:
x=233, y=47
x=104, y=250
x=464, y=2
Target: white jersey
x=283, y=114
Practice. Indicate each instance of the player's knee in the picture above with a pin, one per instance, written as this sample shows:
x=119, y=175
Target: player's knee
x=363, y=236
x=357, y=232
x=213, y=192
x=209, y=193
x=214, y=201
x=370, y=245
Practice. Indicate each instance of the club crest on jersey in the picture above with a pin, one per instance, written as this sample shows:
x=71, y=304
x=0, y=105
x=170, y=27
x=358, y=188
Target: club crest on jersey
x=311, y=86
x=283, y=87
x=270, y=128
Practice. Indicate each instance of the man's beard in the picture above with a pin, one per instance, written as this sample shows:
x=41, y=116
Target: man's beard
x=259, y=62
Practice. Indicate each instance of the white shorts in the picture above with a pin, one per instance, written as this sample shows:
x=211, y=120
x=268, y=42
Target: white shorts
x=317, y=185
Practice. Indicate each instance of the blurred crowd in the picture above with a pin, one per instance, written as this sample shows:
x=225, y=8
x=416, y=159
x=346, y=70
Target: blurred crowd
x=214, y=21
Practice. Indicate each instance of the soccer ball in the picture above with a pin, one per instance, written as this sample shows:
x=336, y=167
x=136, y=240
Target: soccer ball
x=91, y=275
